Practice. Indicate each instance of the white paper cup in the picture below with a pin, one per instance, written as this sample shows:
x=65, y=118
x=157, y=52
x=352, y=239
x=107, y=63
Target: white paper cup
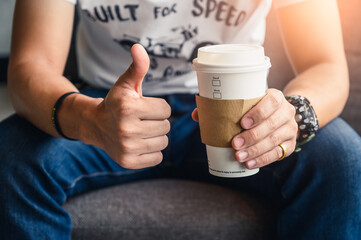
x=230, y=71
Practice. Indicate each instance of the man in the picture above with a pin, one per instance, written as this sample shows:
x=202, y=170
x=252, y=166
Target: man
x=122, y=132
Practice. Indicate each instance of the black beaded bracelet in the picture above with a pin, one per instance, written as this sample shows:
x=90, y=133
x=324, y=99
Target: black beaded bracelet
x=306, y=119
x=54, y=114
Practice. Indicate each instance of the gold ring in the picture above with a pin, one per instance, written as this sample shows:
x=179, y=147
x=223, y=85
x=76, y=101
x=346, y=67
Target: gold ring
x=284, y=151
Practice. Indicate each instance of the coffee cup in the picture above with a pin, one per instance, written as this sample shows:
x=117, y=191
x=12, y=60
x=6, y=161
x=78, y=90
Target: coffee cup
x=232, y=78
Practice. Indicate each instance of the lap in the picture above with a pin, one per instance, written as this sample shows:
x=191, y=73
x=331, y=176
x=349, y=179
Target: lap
x=332, y=157
x=314, y=179
x=335, y=151
x=76, y=167
x=318, y=185
x=73, y=163
x=28, y=153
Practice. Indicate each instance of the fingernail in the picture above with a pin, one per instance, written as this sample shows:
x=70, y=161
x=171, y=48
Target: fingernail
x=247, y=122
x=251, y=163
x=242, y=155
x=238, y=142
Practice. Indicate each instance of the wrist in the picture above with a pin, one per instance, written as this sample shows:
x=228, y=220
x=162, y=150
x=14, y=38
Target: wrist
x=306, y=119
x=76, y=117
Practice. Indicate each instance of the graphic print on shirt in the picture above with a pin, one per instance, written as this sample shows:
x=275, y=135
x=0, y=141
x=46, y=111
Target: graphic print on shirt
x=171, y=32
x=170, y=46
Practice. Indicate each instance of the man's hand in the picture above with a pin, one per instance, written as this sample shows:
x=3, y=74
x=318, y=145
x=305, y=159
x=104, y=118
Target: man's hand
x=131, y=128
x=268, y=124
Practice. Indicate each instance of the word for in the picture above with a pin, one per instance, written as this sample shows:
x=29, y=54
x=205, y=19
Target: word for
x=164, y=11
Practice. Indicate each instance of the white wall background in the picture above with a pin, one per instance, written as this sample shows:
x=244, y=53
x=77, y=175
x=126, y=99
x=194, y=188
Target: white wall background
x=6, y=15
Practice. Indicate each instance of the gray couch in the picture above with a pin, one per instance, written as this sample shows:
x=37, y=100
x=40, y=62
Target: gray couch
x=181, y=209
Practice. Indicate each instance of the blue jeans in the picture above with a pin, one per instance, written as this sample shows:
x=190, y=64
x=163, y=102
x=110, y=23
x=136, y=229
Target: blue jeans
x=316, y=193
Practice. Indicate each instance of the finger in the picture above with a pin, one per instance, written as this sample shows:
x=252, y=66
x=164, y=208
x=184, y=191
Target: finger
x=271, y=156
x=149, y=108
x=149, y=159
x=142, y=160
x=155, y=144
x=285, y=133
x=151, y=128
x=195, y=115
x=132, y=78
x=261, y=131
x=142, y=146
x=265, y=108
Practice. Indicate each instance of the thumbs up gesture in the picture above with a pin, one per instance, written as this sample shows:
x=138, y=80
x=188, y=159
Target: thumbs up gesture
x=131, y=128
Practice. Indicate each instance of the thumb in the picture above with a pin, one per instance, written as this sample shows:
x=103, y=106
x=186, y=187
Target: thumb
x=132, y=78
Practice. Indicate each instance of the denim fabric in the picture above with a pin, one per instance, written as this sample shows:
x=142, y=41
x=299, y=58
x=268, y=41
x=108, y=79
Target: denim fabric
x=316, y=192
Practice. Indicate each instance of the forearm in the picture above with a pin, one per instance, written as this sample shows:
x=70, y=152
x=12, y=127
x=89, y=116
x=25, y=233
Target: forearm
x=35, y=87
x=326, y=85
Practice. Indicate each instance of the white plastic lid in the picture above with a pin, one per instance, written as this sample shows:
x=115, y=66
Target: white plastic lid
x=231, y=58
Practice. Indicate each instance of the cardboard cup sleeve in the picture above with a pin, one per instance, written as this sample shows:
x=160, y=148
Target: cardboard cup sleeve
x=219, y=120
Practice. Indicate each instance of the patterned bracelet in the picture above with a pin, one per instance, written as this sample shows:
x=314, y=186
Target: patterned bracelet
x=306, y=119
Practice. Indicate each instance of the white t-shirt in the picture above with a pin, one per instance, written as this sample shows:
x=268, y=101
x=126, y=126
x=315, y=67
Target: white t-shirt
x=171, y=31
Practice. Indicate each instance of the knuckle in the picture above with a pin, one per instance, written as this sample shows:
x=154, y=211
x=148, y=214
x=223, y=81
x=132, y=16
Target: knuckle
x=263, y=160
x=276, y=98
x=292, y=109
x=253, y=151
x=147, y=147
x=259, y=112
x=126, y=130
x=126, y=147
x=272, y=123
x=275, y=139
x=253, y=135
